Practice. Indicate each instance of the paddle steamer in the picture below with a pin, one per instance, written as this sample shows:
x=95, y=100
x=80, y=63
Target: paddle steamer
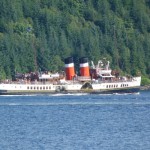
x=98, y=78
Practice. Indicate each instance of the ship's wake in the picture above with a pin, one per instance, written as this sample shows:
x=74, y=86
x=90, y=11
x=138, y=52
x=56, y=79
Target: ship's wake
x=70, y=94
x=73, y=103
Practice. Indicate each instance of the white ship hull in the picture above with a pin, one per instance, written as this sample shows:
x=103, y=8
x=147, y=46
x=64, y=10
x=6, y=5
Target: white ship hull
x=72, y=87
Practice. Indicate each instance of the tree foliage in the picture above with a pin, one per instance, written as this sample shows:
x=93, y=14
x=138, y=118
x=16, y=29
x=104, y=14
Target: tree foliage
x=39, y=34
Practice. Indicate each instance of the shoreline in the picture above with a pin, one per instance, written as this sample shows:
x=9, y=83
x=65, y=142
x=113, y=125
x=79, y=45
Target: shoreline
x=145, y=87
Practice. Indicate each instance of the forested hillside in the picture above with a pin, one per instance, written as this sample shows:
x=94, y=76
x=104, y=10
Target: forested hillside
x=39, y=34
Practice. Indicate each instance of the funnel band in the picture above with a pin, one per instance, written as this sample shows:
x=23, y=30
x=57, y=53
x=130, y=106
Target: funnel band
x=69, y=65
x=84, y=65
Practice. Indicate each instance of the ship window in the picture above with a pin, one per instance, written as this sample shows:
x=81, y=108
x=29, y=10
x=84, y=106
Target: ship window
x=37, y=87
x=34, y=87
x=40, y=88
x=27, y=87
x=49, y=87
x=116, y=85
x=127, y=85
x=43, y=87
x=107, y=86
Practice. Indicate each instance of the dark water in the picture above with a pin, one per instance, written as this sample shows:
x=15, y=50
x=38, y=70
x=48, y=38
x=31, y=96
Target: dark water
x=75, y=122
